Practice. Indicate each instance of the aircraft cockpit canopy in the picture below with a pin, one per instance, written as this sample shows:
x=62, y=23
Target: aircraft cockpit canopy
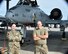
x=32, y=3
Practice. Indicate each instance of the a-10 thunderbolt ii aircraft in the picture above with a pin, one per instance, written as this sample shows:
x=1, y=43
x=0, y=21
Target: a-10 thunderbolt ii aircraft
x=27, y=12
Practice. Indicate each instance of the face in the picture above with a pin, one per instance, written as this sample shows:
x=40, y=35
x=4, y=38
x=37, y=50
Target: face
x=13, y=27
x=39, y=24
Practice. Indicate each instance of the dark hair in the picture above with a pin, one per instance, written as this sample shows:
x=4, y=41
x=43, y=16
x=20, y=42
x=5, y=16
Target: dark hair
x=12, y=24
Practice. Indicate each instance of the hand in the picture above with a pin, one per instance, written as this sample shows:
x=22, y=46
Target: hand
x=43, y=36
x=16, y=37
x=39, y=36
x=36, y=38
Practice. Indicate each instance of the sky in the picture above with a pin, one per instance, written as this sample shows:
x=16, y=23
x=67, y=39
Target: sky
x=45, y=5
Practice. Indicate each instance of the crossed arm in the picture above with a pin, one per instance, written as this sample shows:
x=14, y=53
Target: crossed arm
x=10, y=37
x=36, y=37
x=45, y=36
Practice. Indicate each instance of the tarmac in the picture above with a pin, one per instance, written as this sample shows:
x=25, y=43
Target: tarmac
x=54, y=42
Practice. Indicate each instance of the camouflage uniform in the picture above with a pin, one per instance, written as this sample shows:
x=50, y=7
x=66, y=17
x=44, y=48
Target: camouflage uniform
x=14, y=38
x=40, y=45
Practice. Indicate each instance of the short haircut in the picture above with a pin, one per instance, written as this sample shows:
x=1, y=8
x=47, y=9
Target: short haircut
x=12, y=24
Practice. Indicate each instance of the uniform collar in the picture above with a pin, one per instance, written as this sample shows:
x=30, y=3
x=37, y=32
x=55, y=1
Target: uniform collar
x=38, y=28
x=13, y=30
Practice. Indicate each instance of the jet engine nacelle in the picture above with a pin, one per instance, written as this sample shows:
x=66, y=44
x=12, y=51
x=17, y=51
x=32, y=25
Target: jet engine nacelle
x=56, y=14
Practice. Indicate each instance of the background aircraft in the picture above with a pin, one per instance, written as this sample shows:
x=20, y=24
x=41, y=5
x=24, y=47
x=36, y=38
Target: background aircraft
x=28, y=13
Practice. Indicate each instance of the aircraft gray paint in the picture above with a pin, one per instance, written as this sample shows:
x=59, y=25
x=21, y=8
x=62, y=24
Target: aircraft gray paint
x=26, y=14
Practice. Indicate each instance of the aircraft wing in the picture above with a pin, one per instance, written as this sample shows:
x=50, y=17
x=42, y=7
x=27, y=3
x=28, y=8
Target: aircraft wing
x=60, y=22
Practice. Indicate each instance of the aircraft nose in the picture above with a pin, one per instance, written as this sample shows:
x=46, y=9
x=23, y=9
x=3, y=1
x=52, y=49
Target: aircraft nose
x=9, y=15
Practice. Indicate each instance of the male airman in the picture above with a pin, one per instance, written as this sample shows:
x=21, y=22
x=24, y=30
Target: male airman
x=40, y=36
